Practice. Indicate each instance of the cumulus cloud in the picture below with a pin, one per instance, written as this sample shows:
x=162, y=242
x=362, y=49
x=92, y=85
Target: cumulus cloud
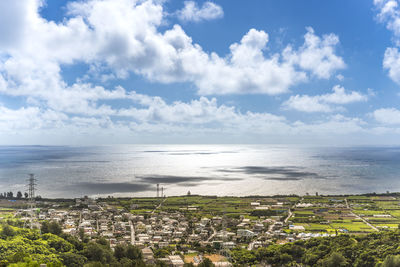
x=387, y=115
x=153, y=116
x=391, y=62
x=324, y=103
x=389, y=13
x=118, y=38
x=123, y=37
x=317, y=54
x=192, y=12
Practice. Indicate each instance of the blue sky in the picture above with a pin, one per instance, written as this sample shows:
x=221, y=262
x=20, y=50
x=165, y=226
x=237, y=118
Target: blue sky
x=125, y=71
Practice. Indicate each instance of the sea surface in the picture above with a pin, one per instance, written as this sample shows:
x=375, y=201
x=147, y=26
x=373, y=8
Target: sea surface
x=237, y=170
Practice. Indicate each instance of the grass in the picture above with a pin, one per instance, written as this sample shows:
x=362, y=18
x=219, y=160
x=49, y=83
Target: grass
x=370, y=212
x=352, y=226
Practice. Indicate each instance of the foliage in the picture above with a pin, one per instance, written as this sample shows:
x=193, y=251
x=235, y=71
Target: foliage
x=51, y=227
x=375, y=249
x=28, y=248
x=391, y=261
x=206, y=263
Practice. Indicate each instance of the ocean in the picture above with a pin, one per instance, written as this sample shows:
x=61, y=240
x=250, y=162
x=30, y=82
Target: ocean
x=234, y=170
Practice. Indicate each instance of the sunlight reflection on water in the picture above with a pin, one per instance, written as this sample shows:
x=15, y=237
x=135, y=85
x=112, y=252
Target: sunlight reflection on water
x=134, y=170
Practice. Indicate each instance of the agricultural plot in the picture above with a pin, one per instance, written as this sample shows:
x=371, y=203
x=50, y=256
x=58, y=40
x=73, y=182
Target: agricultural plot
x=317, y=214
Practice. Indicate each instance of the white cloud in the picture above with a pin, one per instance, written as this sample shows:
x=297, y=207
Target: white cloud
x=122, y=36
x=339, y=96
x=192, y=12
x=307, y=103
x=332, y=125
x=324, y=103
x=389, y=13
x=317, y=54
x=391, y=62
x=152, y=116
x=387, y=115
x=116, y=38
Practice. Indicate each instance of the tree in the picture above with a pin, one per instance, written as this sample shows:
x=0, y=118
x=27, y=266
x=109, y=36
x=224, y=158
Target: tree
x=72, y=259
x=7, y=231
x=206, y=263
x=365, y=259
x=26, y=195
x=102, y=241
x=119, y=251
x=98, y=253
x=51, y=227
x=19, y=195
x=334, y=260
x=133, y=253
x=391, y=261
x=81, y=233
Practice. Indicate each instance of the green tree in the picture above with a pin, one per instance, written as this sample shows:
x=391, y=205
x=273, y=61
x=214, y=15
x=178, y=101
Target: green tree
x=72, y=259
x=365, y=259
x=206, y=263
x=334, y=260
x=98, y=253
x=391, y=261
x=119, y=251
x=51, y=227
x=133, y=253
x=7, y=231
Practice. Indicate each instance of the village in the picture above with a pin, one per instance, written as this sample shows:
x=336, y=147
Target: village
x=179, y=230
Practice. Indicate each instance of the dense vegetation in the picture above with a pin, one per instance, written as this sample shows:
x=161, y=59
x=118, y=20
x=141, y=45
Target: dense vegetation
x=24, y=247
x=377, y=249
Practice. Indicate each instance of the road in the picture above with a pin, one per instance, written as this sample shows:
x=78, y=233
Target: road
x=251, y=245
x=159, y=205
x=360, y=218
x=290, y=210
x=289, y=215
x=132, y=233
x=213, y=234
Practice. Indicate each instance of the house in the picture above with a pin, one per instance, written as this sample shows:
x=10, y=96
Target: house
x=229, y=245
x=258, y=227
x=263, y=207
x=245, y=233
x=163, y=244
x=176, y=260
x=297, y=227
x=148, y=256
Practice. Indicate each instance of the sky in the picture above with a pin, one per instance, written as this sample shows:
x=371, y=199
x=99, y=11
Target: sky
x=139, y=71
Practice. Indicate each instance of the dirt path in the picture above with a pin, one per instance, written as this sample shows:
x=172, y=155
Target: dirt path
x=360, y=218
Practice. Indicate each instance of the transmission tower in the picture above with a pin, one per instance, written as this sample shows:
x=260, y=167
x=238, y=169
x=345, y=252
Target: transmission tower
x=31, y=190
x=31, y=197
